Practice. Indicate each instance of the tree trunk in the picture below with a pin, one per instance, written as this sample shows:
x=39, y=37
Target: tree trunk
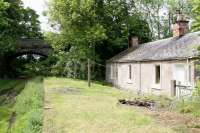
x=89, y=73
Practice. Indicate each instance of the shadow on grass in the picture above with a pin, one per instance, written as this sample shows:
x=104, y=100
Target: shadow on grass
x=10, y=89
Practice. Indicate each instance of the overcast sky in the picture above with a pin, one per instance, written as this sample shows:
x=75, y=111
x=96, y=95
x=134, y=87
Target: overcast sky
x=39, y=6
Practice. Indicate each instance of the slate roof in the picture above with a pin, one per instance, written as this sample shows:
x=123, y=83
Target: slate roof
x=174, y=48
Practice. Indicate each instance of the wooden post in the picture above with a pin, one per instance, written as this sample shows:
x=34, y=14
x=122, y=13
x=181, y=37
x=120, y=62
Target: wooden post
x=89, y=73
x=173, y=88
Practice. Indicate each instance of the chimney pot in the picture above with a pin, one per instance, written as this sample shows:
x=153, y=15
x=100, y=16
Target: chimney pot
x=133, y=42
x=180, y=27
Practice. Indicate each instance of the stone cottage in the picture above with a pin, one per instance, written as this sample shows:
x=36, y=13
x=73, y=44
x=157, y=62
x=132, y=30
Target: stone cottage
x=151, y=67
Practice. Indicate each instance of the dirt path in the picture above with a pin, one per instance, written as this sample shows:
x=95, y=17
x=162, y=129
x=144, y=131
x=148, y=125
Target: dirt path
x=178, y=122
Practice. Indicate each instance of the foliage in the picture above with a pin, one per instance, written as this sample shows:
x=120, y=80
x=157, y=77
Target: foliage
x=30, y=25
x=196, y=14
x=98, y=30
x=92, y=29
x=15, y=22
x=161, y=14
x=33, y=65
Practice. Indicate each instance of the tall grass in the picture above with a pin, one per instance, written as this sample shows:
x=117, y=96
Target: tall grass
x=9, y=89
x=191, y=105
x=29, y=108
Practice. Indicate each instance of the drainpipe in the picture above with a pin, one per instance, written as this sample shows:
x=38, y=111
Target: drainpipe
x=187, y=76
x=140, y=88
x=161, y=79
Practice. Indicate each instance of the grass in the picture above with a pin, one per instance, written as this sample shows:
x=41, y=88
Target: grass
x=29, y=108
x=70, y=106
x=9, y=89
x=4, y=114
x=73, y=107
x=23, y=112
x=189, y=106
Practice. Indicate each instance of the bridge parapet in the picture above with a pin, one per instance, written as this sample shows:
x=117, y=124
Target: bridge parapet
x=32, y=43
x=31, y=46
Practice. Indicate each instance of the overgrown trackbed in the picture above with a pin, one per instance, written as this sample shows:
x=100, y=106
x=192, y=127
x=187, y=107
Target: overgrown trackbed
x=72, y=107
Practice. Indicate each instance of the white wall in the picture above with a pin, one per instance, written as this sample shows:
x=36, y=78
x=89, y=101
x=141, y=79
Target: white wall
x=146, y=72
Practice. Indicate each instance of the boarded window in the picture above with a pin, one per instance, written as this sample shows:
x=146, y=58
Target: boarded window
x=130, y=72
x=157, y=74
x=180, y=74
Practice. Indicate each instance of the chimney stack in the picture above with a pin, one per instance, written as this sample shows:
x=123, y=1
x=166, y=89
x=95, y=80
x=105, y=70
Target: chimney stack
x=181, y=26
x=133, y=42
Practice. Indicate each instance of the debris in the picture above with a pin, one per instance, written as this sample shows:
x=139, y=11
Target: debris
x=141, y=103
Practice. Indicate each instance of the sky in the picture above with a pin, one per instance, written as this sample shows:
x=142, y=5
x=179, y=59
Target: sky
x=39, y=6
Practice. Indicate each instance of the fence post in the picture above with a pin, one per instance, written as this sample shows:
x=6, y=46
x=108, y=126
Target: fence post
x=173, y=88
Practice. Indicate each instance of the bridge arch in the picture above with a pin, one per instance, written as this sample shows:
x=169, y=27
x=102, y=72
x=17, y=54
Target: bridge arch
x=31, y=47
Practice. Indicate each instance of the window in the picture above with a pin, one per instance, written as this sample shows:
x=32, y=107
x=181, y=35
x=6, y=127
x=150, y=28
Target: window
x=157, y=73
x=111, y=72
x=109, y=68
x=114, y=71
x=130, y=72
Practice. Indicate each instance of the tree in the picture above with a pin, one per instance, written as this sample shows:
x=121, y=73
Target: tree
x=160, y=14
x=94, y=29
x=196, y=15
x=15, y=22
x=30, y=26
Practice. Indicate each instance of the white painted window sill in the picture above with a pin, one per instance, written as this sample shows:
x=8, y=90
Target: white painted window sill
x=129, y=82
x=156, y=87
